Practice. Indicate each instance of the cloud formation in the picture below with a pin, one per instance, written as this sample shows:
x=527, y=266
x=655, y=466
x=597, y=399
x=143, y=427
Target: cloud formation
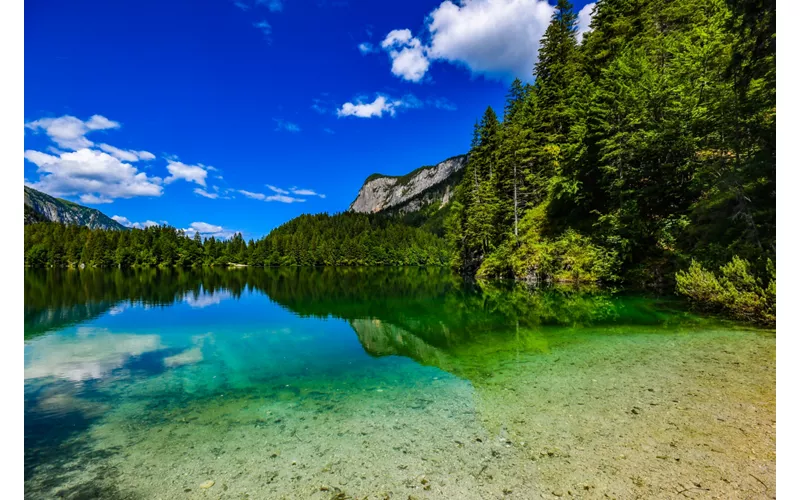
x=409, y=59
x=95, y=176
x=206, y=194
x=281, y=195
x=495, y=38
x=380, y=105
x=190, y=173
x=305, y=192
x=138, y=225
x=126, y=155
x=70, y=132
x=207, y=230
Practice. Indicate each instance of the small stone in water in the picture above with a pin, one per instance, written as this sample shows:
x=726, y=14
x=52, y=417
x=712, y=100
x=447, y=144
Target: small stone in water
x=208, y=484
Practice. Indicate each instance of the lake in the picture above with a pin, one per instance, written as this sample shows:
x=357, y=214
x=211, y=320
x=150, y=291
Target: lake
x=384, y=383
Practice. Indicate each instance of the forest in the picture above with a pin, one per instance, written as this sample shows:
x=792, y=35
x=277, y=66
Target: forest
x=346, y=239
x=643, y=154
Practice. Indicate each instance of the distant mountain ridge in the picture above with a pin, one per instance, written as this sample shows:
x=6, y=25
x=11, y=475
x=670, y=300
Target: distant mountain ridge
x=41, y=207
x=412, y=192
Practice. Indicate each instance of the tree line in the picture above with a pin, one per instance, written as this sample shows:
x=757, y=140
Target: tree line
x=346, y=239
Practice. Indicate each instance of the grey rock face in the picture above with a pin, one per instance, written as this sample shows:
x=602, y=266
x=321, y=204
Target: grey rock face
x=384, y=192
x=44, y=206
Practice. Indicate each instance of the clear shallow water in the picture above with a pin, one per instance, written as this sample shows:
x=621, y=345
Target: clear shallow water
x=298, y=383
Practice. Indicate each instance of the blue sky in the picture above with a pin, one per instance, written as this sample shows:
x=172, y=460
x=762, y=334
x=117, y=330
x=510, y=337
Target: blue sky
x=222, y=116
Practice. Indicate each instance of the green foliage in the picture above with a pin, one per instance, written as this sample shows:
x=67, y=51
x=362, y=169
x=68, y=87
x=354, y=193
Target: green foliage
x=346, y=239
x=734, y=290
x=650, y=143
x=568, y=257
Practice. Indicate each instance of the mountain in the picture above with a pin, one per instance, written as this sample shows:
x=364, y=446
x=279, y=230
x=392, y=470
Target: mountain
x=412, y=192
x=41, y=207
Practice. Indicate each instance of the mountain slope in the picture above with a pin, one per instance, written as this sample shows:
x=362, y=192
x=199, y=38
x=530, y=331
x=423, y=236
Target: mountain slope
x=411, y=192
x=41, y=207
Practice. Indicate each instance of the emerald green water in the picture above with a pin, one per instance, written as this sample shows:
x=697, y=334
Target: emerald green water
x=404, y=383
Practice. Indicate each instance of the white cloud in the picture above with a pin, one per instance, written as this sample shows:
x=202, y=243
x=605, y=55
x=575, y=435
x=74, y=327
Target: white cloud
x=138, y=225
x=284, y=125
x=328, y=131
x=69, y=132
x=208, y=230
x=204, y=227
x=126, y=155
x=242, y=5
x=189, y=173
x=281, y=195
x=306, y=192
x=585, y=19
x=382, y=104
x=203, y=192
x=283, y=198
x=97, y=176
x=409, y=60
x=255, y=196
x=367, y=48
x=495, y=38
x=91, y=199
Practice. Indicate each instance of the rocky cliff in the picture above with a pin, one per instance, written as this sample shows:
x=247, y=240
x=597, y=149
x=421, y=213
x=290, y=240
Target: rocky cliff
x=410, y=192
x=40, y=207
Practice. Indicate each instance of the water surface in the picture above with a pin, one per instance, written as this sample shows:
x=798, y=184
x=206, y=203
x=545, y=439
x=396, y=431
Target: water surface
x=404, y=383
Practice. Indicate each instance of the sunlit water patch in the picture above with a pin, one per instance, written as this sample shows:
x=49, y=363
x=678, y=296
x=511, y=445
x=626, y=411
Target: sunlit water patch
x=386, y=384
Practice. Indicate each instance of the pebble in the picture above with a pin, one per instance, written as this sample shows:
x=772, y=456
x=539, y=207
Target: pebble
x=208, y=484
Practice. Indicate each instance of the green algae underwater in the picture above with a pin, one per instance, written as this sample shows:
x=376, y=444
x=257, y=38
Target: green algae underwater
x=384, y=383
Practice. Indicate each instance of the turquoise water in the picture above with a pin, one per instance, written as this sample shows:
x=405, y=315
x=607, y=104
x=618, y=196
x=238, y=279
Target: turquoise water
x=355, y=383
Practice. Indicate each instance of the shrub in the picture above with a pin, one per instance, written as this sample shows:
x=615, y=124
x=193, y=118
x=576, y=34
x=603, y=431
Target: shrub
x=736, y=291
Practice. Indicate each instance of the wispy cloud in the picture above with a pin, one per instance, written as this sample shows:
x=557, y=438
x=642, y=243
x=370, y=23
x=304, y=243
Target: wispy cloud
x=441, y=103
x=206, y=194
x=305, y=192
x=328, y=131
x=282, y=195
x=272, y=5
x=284, y=199
x=283, y=125
x=250, y=194
x=126, y=155
x=265, y=29
x=367, y=48
x=242, y=5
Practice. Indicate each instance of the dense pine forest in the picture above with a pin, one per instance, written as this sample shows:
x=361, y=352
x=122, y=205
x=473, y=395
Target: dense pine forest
x=644, y=149
x=347, y=239
x=642, y=154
